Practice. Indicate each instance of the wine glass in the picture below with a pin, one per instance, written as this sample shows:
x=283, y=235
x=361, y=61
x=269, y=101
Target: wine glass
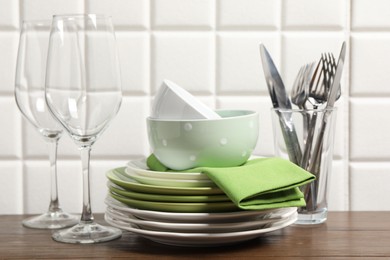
x=83, y=92
x=30, y=98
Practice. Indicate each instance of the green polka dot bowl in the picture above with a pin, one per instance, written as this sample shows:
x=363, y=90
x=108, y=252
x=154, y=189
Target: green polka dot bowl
x=224, y=142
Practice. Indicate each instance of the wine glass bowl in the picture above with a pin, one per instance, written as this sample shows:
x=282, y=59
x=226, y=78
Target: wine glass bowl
x=30, y=77
x=83, y=92
x=87, y=114
x=30, y=99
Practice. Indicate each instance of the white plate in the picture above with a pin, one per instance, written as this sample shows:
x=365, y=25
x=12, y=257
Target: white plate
x=201, y=239
x=223, y=217
x=169, y=182
x=140, y=167
x=195, y=227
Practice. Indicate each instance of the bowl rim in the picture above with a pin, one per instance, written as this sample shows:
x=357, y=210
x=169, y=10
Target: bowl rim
x=247, y=113
x=184, y=97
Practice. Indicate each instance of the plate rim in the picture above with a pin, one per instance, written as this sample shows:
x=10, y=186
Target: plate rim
x=147, y=171
x=150, y=180
x=177, y=207
x=196, y=217
x=201, y=238
x=247, y=224
x=164, y=197
x=111, y=175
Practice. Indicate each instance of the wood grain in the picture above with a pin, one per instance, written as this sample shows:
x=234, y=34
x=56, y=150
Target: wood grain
x=345, y=235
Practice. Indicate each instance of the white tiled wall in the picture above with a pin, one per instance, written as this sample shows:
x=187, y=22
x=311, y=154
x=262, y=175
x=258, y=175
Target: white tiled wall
x=210, y=47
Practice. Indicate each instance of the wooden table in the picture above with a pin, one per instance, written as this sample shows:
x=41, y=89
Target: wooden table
x=346, y=235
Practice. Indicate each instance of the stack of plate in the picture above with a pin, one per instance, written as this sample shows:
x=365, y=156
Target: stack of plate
x=184, y=209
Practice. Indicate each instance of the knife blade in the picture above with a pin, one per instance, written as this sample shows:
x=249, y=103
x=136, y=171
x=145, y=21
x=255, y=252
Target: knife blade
x=334, y=89
x=280, y=99
x=276, y=88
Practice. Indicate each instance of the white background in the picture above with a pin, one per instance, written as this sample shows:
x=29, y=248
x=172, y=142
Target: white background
x=209, y=47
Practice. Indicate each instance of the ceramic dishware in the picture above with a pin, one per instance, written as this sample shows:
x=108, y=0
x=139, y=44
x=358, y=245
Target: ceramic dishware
x=174, y=102
x=210, y=217
x=139, y=166
x=201, y=239
x=225, y=142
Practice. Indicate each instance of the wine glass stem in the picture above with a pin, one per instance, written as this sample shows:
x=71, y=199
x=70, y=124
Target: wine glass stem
x=54, y=203
x=86, y=215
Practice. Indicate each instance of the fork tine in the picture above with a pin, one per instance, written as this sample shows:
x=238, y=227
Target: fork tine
x=322, y=79
x=333, y=62
x=325, y=69
x=315, y=73
x=300, y=88
x=317, y=88
x=296, y=81
x=327, y=72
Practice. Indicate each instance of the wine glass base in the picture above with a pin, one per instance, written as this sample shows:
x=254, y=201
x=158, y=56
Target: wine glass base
x=51, y=220
x=87, y=233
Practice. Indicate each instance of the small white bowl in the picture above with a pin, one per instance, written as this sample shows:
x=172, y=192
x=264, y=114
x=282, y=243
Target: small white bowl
x=174, y=102
x=224, y=142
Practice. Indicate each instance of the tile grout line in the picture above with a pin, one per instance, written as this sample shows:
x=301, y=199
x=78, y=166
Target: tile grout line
x=215, y=75
x=151, y=54
x=21, y=133
x=347, y=106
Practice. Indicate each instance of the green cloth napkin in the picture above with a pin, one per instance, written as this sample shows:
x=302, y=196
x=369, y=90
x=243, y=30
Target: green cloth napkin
x=262, y=183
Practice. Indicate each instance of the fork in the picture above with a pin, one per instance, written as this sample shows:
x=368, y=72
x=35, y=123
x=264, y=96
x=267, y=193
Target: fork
x=300, y=91
x=320, y=83
x=319, y=92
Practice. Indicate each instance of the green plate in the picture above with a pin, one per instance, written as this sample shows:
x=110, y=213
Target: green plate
x=151, y=180
x=140, y=167
x=177, y=207
x=119, y=177
x=165, y=198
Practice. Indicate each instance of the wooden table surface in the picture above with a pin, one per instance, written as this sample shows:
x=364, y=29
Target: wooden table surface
x=345, y=235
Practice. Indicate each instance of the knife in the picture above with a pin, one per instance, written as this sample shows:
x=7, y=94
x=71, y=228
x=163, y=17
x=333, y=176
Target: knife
x=280, y=99
x=334, y=89
x=275, y=84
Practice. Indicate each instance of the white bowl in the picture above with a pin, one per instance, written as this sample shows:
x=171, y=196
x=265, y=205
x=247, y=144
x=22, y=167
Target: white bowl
x=174, y=102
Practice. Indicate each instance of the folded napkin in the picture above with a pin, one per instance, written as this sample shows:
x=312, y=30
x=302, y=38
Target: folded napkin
x=262, y=183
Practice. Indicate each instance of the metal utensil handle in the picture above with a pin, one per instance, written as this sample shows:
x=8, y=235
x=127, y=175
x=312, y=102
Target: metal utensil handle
x=309, y=141
x=290, y=138
x=315, y=163
x=315, y=166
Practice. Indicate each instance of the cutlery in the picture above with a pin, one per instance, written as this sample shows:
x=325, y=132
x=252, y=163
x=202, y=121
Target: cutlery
x=315, y=165
x=281, y=100
x=332, y=97
x=334, y=89
x=300, y=92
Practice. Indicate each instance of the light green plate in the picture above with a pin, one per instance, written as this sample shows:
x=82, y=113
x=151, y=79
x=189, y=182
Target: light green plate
x=168, y=181
x=165, y=198
x=177, y=207
x=119, y=177
x=140, y=167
